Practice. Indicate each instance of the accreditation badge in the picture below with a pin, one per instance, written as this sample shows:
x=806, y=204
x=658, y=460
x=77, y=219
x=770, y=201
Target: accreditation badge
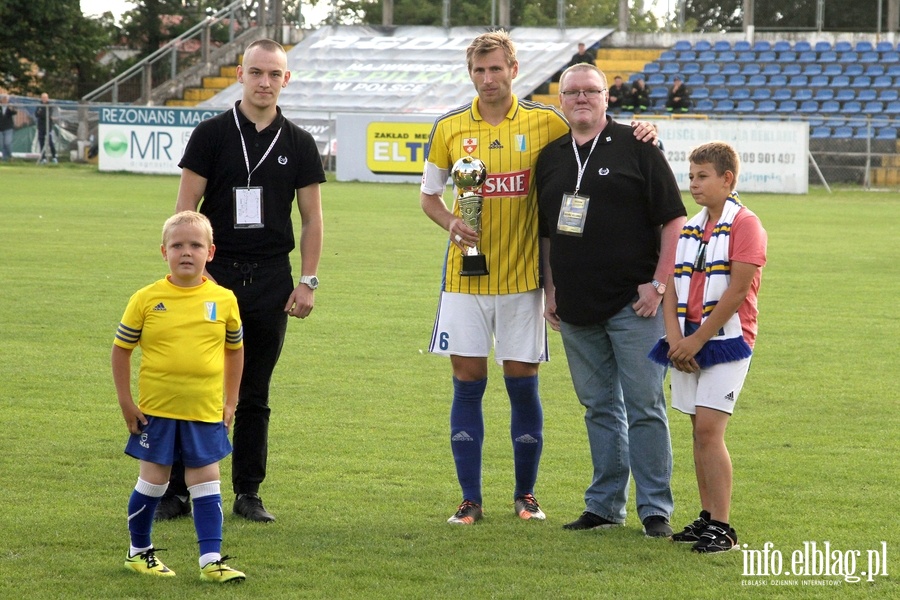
x=248, y=207
x=572, y=214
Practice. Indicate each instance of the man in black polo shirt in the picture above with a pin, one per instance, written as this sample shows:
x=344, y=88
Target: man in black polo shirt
x=248, y=164
x=610, y=213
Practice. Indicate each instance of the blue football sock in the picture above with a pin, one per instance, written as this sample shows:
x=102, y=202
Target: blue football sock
x=208, y=517
x=141, y=508
x=467, y=435
x=526, y=429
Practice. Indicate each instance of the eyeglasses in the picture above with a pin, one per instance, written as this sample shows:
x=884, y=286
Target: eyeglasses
x=587, y=93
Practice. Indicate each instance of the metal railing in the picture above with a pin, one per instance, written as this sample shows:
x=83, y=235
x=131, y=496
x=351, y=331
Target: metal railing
x=194, y=47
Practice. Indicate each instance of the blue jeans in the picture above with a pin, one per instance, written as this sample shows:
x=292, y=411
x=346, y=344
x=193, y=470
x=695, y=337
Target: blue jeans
x=628, y=431
x=6, y=140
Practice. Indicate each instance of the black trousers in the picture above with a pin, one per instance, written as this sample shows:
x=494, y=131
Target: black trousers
x=262, y=289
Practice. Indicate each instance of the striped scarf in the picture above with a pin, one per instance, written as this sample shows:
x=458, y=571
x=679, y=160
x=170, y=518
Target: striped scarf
x=728, y=344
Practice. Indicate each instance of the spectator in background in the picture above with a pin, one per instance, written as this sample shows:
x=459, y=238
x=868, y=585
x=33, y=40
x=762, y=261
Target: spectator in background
x=619, y=95
x=582, y=56
x=7, y=126
x=44, y=117
x=640, y=96
x=679, y=98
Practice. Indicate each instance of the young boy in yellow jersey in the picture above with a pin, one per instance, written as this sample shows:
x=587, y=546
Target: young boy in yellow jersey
x=191, y=340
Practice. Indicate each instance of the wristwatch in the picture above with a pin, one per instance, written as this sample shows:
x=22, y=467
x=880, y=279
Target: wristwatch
x=660, y=287
x=311, y=280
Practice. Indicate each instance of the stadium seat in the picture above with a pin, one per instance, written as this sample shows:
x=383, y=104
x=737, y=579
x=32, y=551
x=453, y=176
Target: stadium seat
x=671, y=68
x=802, y=47
x=722, y=45
x=750, y=69
x=782, y=94
x=787, y=106
x=696, y=79
x=726, y=56
x=681, y=45
x=854, y=70
x=839, y=81
x=760, y=93
x=767, y=56
x=832, y=69
x=829, y=56
x=883, y=81
x=829, y=106
x=703, y=106
x=867, y=95
x=819, y=81
x=842, y=132
x=710, y=68
x=715, y=80
x=651, y=67
x=745, y=106
x=761, y=46
x=893, y=70
x=699, y=93
x=707, y=56
x=812, y=69
x=825, y=93
x=778, y=81
x=731, y=68
x=736, y=81
x=844, y=95
x=747, y=56
x=656, y=79
x=857, y=121
x=848, y=57
x=822, y=47
x=798, y=81
x=801, y=94
x=861, y=81
x=873, y=107
x=807, y=57
x=843, y=46
x=861, y=133
x=690, y=68
x=888, y=95
x=864, y=46
x=686, y=56
x=869, y=57
x=890, y=57
x=781, y=46
x=667, y=56
x=884, y=46
x=874, y=70
x=702, y=46
x=848, y=108
x=788, y=56
x=792, y=68
x=892, y=108
x=658, y=92
x=771, y=69
x=886, y=133
x=809, y=107
x=756, y=80
x=720, y=93
x=723, y=106
x=815, y=121
x=765, y=107
x=742, y=46
x=821, y=132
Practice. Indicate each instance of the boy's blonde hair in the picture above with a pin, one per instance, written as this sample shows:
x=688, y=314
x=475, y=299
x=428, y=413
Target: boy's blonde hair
x=187, y=217
x=720, y=155
x=487, y=43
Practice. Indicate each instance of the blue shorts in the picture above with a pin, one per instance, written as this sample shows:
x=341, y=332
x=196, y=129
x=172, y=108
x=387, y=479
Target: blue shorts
x=163, y=441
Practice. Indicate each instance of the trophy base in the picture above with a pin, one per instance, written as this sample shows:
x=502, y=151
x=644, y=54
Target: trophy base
x=474, y=266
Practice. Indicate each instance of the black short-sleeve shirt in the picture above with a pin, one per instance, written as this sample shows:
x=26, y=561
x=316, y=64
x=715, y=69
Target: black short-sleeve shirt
x=214, y=152
x=632, y=192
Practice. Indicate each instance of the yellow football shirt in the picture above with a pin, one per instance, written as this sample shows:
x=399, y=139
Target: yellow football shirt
x=183, y=333
x=509, y=235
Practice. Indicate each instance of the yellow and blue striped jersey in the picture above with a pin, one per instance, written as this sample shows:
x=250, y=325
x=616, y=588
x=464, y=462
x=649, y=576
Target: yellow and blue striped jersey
x=509, y=235
x=183, y=334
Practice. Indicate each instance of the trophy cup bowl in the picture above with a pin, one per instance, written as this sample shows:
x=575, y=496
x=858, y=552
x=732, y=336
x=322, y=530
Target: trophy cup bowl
x=469, y=174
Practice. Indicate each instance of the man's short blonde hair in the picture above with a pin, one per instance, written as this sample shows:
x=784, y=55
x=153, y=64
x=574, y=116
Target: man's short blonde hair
x=187, y=217
x=487, y=43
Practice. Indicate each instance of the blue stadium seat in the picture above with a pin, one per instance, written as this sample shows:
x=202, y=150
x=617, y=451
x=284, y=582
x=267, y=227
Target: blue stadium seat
x=829, y=56
x=687, y=55
x=809, y=107
x=771, y=69
x=886, y=133
x=793, y=68
x=844, y=94
x=893, y=70
x=702, y=46
x=670, y=68
x=740, y=93
x=787, y=106
x=723, y=106
x=745, y=106
x=854, y=69
x=812, y=69
x=750, y=69
x=731, y=68
x=681, y=45
x=815, y=121
x=848, y=108
x=656, y=79
x=857, y=121
x=864, y=46
x=761, y=46
x=703, y=106
x=742, y=46
x=843, y=46
x=747, y=56
x=867, y=95
x=829, y=107
x=826, y=93
x=861, y=81
x=756, y=80
x=788, y=56
x=715, y=80
x=719, y=93
x=848, y=57
x=874, y=70
x=778, y=81
x=736, y=80
x=882, y=81
x=802, y=47
x=782, y=94
x=667, y=56
x=696, y=79
x=884, y=46
x=707, y=56
x=760, y=93
x=651, y=67
x=808, y=57
x=722, y=46
x=892, y=108
x=727, y=56
x=820, y=132
x=832, y=69
x=699, y=93
x=710, y=68
x=765, y=107
x=842, y=132
x=888, y=95
x=873, y=107
x=798, y=81
x=819, y=81
x=690, y=68
x=822, y=47
x=890, y=57
x=840, y=81
x=869, y=57
x=781, y=46
x=861, y=133
x=801, y=94
x=658, y=92
x=767, y=56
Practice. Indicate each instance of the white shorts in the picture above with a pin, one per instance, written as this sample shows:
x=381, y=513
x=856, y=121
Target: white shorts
x=513, y=324
x=716, y=387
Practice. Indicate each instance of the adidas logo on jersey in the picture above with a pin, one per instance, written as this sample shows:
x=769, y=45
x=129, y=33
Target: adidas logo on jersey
x=462, y=436
x=496, y=145
x=160, y=307
x=730, y=396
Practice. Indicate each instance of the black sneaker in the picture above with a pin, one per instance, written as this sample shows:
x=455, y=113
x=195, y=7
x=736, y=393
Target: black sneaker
x=716, y=539
x=172, y=507
x=691, y=533
x=657, y=526
x=250, y=507
x=589, y=520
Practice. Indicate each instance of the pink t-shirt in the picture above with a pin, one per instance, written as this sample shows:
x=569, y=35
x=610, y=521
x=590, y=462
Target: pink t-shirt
x=747, y=245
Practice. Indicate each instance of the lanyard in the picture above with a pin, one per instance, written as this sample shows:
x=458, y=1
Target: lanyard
x=581, y=167
x=244, y=147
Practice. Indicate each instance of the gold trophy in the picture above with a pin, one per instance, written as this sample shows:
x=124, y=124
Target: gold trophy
x=469, y=174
